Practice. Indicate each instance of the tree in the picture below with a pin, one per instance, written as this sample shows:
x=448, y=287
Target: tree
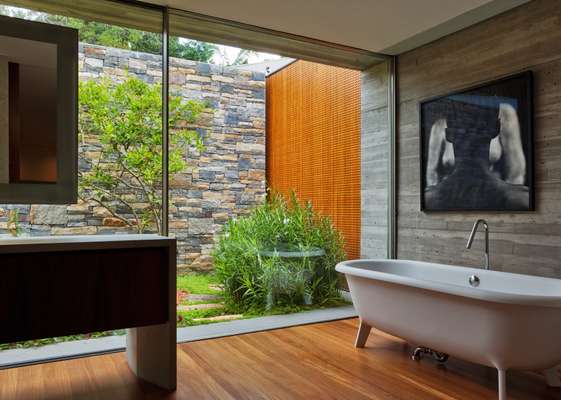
x=125, y=38
x=126, y=177
x=192, y=49
x=116, y=36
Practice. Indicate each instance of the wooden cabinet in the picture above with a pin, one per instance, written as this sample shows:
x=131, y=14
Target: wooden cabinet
x=58, y=286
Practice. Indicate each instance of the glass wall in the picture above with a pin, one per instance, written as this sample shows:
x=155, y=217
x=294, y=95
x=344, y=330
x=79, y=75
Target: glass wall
x=300, y=118
x=219, y=104
x=222, y=173
x=119, y=134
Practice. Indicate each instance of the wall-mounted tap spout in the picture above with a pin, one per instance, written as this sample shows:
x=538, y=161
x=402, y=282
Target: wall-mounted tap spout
x=472, y=236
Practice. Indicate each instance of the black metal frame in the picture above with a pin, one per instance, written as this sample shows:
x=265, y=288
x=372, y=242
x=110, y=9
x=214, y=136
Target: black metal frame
x=529, y=126
x=165, y=121
x=393, y=110
x=165, y=105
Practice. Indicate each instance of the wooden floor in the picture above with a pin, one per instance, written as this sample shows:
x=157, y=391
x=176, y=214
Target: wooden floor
x=308, y=362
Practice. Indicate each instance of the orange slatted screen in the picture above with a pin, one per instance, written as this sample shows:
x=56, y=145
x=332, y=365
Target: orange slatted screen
x=313, y=141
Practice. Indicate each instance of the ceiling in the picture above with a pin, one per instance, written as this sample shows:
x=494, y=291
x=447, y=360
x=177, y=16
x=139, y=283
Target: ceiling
x=382, y=26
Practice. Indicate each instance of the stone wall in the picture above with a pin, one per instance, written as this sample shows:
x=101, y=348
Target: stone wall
x=226, y=180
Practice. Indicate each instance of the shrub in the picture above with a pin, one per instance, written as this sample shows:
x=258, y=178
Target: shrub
x=256, y=278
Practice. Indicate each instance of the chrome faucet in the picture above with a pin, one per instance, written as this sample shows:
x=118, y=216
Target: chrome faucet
x=472, y=235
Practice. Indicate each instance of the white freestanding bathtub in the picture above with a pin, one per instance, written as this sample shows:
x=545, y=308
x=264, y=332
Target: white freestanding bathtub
x=509, y=321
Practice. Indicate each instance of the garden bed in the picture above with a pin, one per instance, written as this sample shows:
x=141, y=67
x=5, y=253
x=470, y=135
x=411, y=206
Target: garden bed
x=27, y=344
x=201, y=301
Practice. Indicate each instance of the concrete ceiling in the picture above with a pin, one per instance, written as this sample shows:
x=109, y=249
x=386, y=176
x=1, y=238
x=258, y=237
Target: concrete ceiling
x=383, y=26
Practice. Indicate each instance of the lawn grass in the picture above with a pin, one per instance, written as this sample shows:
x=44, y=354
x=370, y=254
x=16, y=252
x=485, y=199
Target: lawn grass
x=204, y=284
x=198, y=283
x=186, y=318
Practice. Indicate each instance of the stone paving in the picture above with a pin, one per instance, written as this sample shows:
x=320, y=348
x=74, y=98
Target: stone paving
x=193, y=307
x=219, y=318
x=201, y=297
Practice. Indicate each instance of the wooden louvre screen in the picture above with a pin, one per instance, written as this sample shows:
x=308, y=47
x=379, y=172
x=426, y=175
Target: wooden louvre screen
x=313, y=141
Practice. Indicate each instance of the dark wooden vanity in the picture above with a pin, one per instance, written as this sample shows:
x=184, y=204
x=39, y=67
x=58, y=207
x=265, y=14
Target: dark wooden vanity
x=56, y=286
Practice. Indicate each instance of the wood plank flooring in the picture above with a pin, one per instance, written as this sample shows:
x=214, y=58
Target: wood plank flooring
x=308, y=362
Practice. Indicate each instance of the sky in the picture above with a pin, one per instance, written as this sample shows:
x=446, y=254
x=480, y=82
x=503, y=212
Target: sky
x=226, y=54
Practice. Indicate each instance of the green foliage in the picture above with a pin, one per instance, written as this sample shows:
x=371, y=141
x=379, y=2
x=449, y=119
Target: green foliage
x=13, y=225
x=124, y=38
x=43, y=342
x=191, y=49
x=131, y=39
x=255, y=281
x=126, y=117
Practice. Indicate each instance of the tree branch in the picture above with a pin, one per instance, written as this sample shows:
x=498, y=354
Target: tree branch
x=114, y=213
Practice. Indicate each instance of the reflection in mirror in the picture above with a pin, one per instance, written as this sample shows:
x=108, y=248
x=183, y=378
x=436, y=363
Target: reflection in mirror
x=28, y=111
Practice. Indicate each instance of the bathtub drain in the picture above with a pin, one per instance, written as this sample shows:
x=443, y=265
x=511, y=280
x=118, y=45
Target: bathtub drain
x=438, y=356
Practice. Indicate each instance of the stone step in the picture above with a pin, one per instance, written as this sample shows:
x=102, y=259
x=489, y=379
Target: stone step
x=201, y=297
x=192, y=307
x=219, y=318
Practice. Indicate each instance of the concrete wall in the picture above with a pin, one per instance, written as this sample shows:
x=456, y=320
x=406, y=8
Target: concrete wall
x=374, y=162
x=528, y=37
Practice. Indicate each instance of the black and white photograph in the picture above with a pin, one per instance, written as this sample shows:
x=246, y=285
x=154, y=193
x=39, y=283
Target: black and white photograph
x=476, y=148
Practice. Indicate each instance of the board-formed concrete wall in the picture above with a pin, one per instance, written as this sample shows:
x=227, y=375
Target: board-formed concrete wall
x=374, y=162
x=528, y=37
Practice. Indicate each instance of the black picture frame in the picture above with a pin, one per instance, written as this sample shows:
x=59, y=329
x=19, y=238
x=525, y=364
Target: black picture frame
x=65, y=190
x=520, y=83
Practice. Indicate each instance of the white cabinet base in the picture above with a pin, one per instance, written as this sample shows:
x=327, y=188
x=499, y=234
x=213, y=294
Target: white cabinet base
x=152, y=353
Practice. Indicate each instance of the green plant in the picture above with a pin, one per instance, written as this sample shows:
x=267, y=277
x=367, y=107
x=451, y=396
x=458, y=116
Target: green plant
x=43, y=342
x=255, y=277
x=125, y=176
x=13, y=223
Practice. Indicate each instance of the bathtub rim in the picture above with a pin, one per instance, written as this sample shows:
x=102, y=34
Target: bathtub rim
x=349, y=268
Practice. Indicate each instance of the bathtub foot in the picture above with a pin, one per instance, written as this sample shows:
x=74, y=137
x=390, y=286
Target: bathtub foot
x=552, y=376
x=362, y=335
x=502, y=383
x=438, y=356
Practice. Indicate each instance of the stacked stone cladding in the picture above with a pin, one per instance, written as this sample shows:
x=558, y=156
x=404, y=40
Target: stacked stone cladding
x=225, y=181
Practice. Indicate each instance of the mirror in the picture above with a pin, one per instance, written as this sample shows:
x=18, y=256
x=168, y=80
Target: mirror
x=38, y=112
x=28, y=82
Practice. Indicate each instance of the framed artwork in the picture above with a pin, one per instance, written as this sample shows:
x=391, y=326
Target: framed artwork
x=477, y=148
